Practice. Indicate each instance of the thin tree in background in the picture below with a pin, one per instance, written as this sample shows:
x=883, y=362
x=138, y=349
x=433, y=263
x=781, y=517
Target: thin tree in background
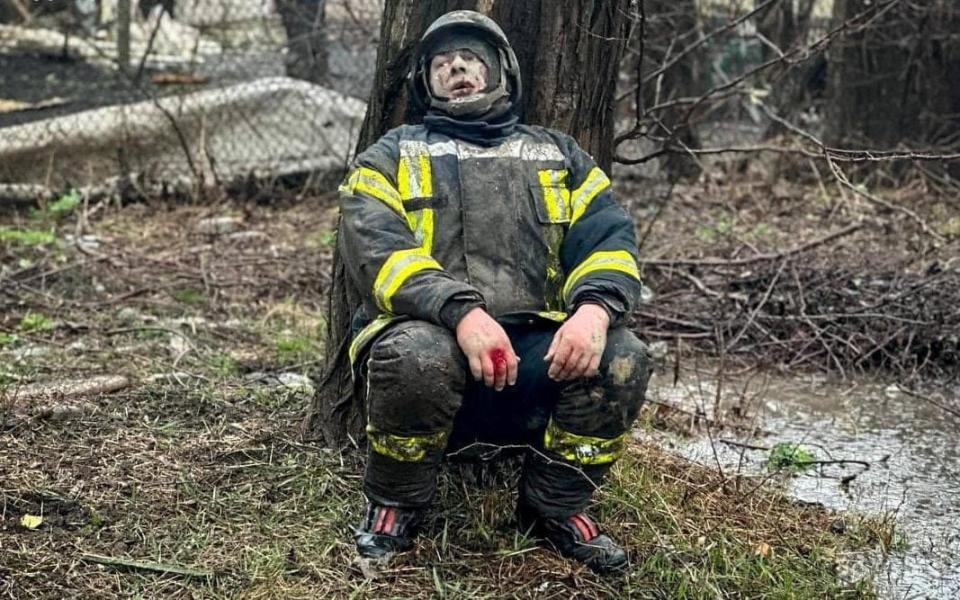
x=897, y=82
x=307, y=54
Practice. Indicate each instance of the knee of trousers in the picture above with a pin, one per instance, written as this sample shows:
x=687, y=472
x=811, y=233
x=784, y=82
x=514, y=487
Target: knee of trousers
x=416, y=376
x=606, y=406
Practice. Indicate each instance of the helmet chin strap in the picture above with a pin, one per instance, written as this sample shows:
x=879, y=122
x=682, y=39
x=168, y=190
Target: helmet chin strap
x=475, y=104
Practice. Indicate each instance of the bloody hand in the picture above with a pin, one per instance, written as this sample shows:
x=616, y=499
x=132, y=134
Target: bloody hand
x=488, y=349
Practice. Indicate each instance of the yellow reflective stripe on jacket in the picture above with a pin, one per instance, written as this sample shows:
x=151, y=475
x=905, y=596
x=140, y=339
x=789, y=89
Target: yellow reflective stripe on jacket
x=583, y=449
x=414, y=176
x=553, y=315
x=415, y=180
x=556, y=196
x=367, y=333
x=412, y=448
x=373, y=183
x=613, y=260
x=421, y=222
x=399, y=267
x=581, y=198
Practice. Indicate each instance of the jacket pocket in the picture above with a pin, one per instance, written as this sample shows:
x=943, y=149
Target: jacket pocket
x=551, y=202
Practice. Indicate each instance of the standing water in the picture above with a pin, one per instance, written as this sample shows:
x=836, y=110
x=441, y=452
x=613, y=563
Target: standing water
x=910, y=442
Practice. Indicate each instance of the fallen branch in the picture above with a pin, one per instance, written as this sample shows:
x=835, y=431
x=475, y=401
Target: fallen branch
x=841, y=177
x=69, y=389
x=147, y=566
x=756, y=310
x=803, y=463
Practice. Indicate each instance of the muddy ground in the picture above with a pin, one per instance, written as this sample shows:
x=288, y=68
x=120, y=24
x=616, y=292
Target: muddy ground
x=208, y=320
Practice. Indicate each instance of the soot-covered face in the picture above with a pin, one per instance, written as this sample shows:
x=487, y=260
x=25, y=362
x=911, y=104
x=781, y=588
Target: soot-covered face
x=457, y=74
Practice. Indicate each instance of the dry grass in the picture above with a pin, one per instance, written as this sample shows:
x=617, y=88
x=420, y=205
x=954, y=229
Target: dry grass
x=197, y=462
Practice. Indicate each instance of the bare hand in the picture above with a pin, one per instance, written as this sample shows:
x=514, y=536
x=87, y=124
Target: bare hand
x=578, y=345
x=488, y=349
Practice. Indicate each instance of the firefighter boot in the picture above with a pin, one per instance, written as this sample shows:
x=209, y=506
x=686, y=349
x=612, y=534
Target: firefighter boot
x=385, y=531
x=577, y=537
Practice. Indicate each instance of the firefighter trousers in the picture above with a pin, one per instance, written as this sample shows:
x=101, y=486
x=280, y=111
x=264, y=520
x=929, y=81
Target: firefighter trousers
x=422, y=401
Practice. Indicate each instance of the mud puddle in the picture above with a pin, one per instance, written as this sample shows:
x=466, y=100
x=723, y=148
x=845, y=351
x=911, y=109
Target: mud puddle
x=910, y=443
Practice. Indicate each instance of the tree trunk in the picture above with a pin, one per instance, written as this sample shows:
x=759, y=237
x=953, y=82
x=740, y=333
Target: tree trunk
x=670, y=25
x=897, y=83
x=303, y=21
x=569, y=55
x=794, y=87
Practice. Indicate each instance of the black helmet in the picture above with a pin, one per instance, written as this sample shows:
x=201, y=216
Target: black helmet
x=466, y=22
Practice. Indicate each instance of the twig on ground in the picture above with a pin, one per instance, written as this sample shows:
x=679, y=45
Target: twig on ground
x=156, y=567
x=841, y=177
x=929, y=400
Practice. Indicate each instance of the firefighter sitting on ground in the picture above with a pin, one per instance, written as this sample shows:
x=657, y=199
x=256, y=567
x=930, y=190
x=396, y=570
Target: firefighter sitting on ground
x=496, y=270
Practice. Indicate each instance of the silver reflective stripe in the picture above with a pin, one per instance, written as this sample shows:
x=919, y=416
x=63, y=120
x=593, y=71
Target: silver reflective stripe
x=534, y=152
x=412, y=151
x=413, y=148
x=521, y=149
x=442, y=149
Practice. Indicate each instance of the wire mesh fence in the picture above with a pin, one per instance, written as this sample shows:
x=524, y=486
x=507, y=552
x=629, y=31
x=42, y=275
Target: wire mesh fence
x=181, y=91
x=195, y=93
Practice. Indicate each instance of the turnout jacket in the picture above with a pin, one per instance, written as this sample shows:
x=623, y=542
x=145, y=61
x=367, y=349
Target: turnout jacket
x=433, y=225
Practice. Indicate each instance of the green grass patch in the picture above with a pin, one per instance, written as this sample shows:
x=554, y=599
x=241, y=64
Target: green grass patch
x=790, y=457
x=323, y=239
x=225, y=365
x=63, y=206
x=709, y=233
x=36, y=322
x=187, y=296
x=8, y=340
x=296, y=332
x=296, y=348
x=26, y=237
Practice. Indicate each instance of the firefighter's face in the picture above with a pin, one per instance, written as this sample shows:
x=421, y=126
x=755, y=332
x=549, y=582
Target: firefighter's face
x=457, y=74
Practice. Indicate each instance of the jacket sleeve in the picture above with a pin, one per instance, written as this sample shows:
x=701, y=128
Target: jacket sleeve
x=382, y=256
x=599, y=251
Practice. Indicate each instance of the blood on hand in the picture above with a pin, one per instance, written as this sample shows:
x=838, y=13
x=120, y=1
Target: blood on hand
x=499, y=359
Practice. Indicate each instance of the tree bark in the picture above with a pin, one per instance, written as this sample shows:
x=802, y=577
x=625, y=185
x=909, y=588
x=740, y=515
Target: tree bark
x=569, y=54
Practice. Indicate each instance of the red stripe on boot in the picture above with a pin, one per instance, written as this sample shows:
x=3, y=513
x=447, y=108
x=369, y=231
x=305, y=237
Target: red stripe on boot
x=381, y=517
x=582, y=527
x=593, y=526
x=389, y=521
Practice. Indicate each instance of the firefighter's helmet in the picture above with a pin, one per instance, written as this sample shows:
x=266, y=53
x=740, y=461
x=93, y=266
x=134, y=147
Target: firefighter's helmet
x=505, y=83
